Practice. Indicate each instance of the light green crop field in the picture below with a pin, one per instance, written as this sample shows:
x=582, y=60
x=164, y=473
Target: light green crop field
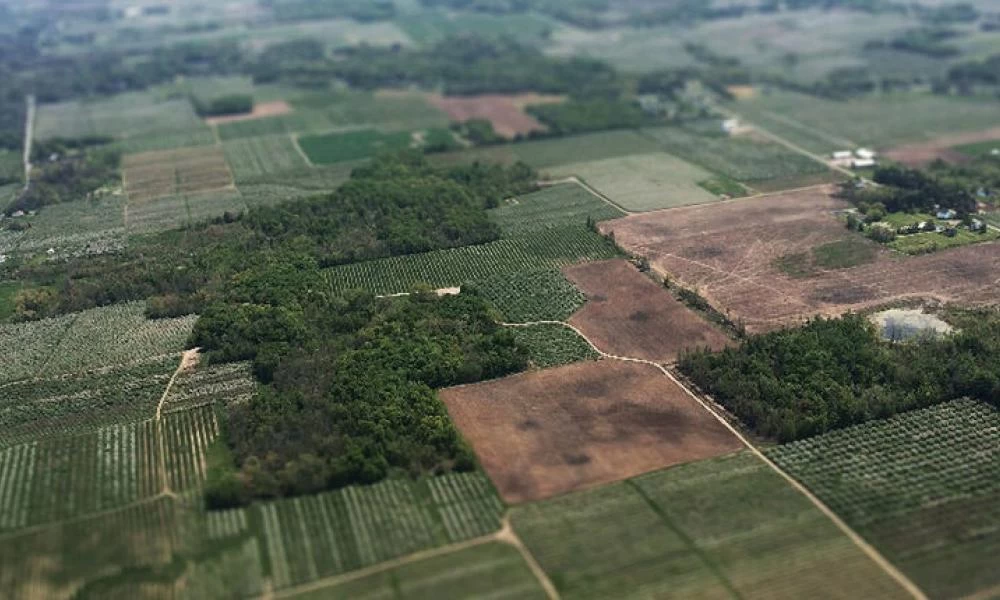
x=923, y=487
x=70, y=229
x=256, y=156
x=429, y=27
x=643, y=182
x=991, y=148
x=745, y=158
x=11, y=166
x=171, y=212
x=823, y=126
x=551, y=248
x=719, y=528
x=563, y=204
x=300, y=183
x=338, y=147
x=493, y=570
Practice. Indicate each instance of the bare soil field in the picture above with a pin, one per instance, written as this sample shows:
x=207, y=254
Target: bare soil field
x=505, y=112
x=728, y=251
x=151, y=175
x=554, y=431
x=923, y=153
x=627, y=314
x=261, y=110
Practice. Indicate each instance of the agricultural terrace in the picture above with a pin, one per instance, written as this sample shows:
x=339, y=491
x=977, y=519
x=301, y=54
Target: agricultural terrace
x=746, y=158
x=494, y=570
x=643, y=182
x=33, y=409
x=923, y=486
x=882, y=122
x=951, y=148
x=719, y=528
x=551, y=248
x=171, y=212
x=506, y=113
x=736, y=255
x=549, y=432
x=71, y=229
x=114, y=335
x=265, y=155
x=152, y=175
x=140, y=121
x=627, y=314
x=557, y=205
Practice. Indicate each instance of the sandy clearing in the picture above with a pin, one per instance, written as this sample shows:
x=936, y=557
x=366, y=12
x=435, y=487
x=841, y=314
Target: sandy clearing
x=506, y=112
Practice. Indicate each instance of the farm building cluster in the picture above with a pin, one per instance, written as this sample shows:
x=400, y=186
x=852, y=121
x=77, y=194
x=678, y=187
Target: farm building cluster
x=862, y=158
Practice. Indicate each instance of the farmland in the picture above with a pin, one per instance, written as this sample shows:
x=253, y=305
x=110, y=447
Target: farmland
x=257, y=156
x=563, y=204
x=553, y=345
x=643, y=182
x=716, y=528
x=537, y=295
x=921, y=486
x=71, y=229
x=338, y=147
x=171, y=212
x=550, y=432
x=450, y=268
x=151, y=175
x=627, y=314
x=506, y=113
x=744, y=277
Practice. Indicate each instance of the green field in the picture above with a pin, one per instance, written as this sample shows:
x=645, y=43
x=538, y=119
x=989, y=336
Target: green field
x=338, y=147
x=744, y=159
x=923, y=486
x=553, y=345
x=525, y=296
x=300, y=183
x=11, y=166
x=431, y=26
x=171, y=212
x=258, y=156
x=643, y=182
x=923, y=243
x=83, y=227
x=980, y=149
x=564, y=204
x=453, y=267
x=726, y=527
x=823, y=126
x=493, y=570
x=841, y=254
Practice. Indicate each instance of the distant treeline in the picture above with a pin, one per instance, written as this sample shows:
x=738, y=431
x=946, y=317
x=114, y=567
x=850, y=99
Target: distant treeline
x=830, y=374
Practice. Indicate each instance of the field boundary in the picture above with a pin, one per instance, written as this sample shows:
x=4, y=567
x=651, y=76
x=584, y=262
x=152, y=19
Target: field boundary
x=856, y=538
x=589, y=188
x=295, y=144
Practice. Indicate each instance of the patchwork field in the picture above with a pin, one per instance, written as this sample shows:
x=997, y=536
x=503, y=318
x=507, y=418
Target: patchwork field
x=546, y=249
x=505, y=112
x=554, y=431
x=627, y=314
x=259, y=156
x=924, y=487
x=732, y=254
x=643, y=182
x=152, y=175
x=558, y=205
x=720, y=528
x=71, y=229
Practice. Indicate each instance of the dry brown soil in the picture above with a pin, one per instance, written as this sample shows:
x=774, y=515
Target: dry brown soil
x=922, y=153
x=151, y=175
x=627, y=314
x=260, y=111
x=549, y=432
x=505, y=112
x=727, y=252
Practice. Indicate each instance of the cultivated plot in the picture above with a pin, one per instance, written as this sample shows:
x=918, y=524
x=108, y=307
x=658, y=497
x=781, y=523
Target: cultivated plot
x=171, y=212
x=353, y=145
x=643, y=182
x=260, y=156
x=735, y=255
x=525, y=296
x=923, y=486
x=73, y=229
x=549, y=432
x=627, y=314
x=563, y=204
x=506, y=113
x=952, y=148
x=553, y=345
x=721, y=528
x=151, y=175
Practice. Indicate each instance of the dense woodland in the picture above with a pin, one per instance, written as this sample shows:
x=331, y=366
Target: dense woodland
x=830, y=374
x=911, y=190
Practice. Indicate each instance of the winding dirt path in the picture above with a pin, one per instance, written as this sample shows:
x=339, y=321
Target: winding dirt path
x=188, y=361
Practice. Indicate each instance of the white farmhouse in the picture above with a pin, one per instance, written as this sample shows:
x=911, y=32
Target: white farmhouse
x=865, y=154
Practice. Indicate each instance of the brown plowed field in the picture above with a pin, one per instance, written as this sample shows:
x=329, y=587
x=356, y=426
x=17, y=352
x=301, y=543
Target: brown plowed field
x=922, y=153
x=260, y=111
x=505, y=112
x=627, y=314
x=727, y=252
x=152, y=175
x=549, y=432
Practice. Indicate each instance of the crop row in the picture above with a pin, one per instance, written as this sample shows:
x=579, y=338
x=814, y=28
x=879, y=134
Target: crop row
x=326, y=534
x=551, y=248
x=186, y=436
x=252, y=157
x=226, y=384
x=551, y=345
x=536, y=295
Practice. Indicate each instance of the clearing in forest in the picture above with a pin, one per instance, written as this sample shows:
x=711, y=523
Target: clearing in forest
x=923, y=487
x=151, y=175
x=554, y=431
x=643, y=182
x=505, y=112
x=627, y=314
x=774, y=261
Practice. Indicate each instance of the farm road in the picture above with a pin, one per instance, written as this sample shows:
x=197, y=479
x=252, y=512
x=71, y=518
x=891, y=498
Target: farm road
x=29, y=134
x=860, y=542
